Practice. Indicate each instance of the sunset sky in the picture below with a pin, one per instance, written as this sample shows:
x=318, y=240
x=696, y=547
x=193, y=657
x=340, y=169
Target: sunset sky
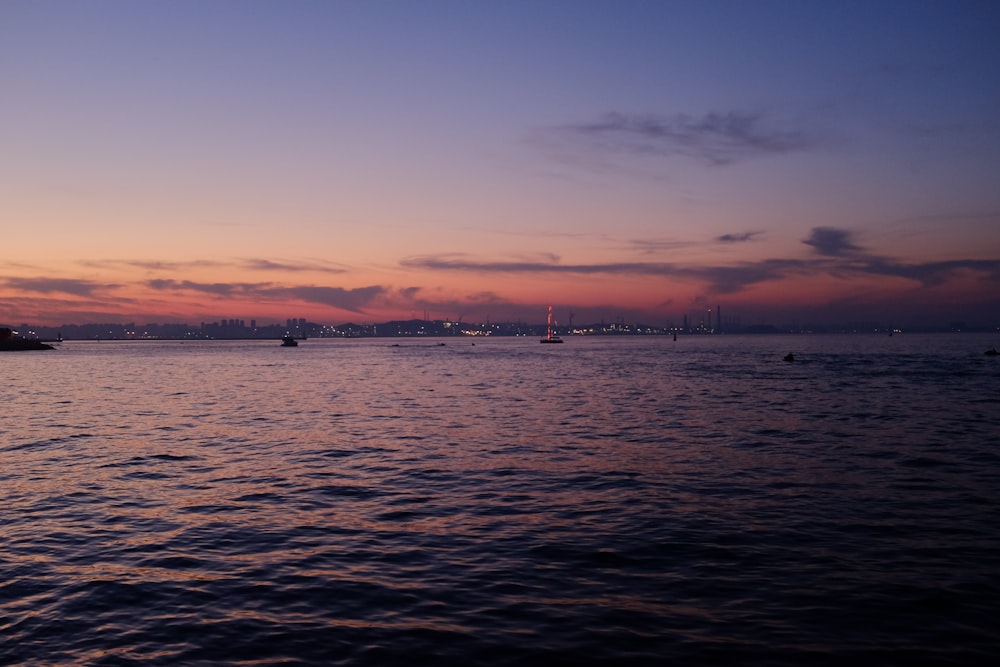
x=366, y=161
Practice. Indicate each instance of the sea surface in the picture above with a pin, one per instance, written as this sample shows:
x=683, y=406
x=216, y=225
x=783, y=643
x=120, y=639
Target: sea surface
x=608, y=501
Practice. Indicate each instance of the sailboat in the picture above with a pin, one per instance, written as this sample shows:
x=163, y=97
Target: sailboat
x=550, y=338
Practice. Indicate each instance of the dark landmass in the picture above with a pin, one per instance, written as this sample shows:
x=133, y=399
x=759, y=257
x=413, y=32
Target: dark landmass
x=10, y=342
x=22, y=345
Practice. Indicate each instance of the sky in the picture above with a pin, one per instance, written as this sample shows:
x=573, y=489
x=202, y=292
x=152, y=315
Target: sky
x=348, y=161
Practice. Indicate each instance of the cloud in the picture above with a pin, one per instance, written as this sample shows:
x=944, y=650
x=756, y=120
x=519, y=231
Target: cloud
x=831, y=242
x=68, y=310
x=933, y=273
x=731, y=279
x=353, y=300
x=837, y=244
x=714, y=138
x=947, y=218
x=219, y=289
x=151, y=265
x=21, y=266
x=743, y=237
x=439, y=304
x=60, y=285
x=338, y=297
x=258, y=264
x=840, y=256
x=253, y=264
x=460, y=263
x=723, y=279
x=654, y=246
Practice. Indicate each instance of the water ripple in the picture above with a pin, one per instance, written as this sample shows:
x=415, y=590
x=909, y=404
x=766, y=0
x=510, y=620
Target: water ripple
x=616, y=502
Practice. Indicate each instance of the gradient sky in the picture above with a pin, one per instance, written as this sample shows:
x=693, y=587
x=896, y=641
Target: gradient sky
x=365, y=161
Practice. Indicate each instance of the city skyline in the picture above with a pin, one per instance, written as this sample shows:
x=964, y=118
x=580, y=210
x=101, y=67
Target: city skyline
x=789, y=162
x=697, y=323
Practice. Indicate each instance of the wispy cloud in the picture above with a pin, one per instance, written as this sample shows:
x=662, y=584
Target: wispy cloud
x=742, y=237
x=732, y=279
x=933, y=273
x=251, y=263
x=724, y=279
x=451, y=306
x=463, y=263
x=72, y=309
x=20, y=266
x=58, y=285
x=149, y=265
x=949, y=218
x=354, y=300
x=312, y=266
x=849, y=257
x=338, y=297
x=838, y=254
x=655, y=246
x=715, y=138
x=219, y=289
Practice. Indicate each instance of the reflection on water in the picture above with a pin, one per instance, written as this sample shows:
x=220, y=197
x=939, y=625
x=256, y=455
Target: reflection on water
x=607, y=501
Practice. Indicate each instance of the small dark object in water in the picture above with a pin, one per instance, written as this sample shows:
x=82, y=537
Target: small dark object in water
x=289, y=341
x=992, y=352
x=789, y=357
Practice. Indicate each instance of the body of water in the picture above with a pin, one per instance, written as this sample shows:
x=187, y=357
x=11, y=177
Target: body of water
x=608, y=501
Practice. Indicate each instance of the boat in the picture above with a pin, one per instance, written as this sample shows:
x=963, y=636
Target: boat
x=289, y=341
x=550, y=337
x=992, y=352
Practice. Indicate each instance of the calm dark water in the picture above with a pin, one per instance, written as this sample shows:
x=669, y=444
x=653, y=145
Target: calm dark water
x=629, y=501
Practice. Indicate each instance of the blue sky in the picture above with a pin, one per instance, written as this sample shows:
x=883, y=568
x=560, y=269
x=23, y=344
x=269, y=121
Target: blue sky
x=353, y=160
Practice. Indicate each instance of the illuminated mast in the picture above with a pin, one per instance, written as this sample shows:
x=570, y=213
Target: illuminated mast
x=549, y=338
